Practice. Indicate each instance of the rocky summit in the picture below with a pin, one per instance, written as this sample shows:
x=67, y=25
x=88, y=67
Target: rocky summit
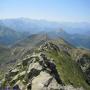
x=49, y=67
x=34, y=73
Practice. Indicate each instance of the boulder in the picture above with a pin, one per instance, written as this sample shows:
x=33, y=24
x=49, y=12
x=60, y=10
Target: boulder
x=36, y=66
x=42, y=82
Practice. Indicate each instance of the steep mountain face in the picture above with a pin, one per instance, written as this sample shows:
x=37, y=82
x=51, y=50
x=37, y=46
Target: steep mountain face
x=53, y=65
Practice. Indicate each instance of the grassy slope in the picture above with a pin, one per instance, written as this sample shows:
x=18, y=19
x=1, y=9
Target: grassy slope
x=4, y=54
x=68, y=69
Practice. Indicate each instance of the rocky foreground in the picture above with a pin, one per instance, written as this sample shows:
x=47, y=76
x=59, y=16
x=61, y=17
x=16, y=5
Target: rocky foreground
x=37, y=72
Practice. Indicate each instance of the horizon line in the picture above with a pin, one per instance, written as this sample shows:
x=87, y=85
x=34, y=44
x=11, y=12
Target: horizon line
x=37, y=19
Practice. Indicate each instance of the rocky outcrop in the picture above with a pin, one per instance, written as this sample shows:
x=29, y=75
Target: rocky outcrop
x=34, y=73
x=84, y=62
x=49, y=46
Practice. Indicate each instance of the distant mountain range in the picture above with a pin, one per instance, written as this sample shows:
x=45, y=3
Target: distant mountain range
x=34, y=26
x=9, y=36
x=15, y=30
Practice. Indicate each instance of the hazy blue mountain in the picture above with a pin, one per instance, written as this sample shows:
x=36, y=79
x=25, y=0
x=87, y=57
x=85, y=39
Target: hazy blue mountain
x=82, y=41
x=34, y=26
x=77, y=34
x=78, y=40
x=76, y=28
x=9, y=36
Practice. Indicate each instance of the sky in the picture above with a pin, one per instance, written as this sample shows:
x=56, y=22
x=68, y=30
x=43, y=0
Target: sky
x=51, y=10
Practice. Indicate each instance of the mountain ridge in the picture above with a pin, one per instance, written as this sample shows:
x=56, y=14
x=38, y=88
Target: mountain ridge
x=60, y=53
